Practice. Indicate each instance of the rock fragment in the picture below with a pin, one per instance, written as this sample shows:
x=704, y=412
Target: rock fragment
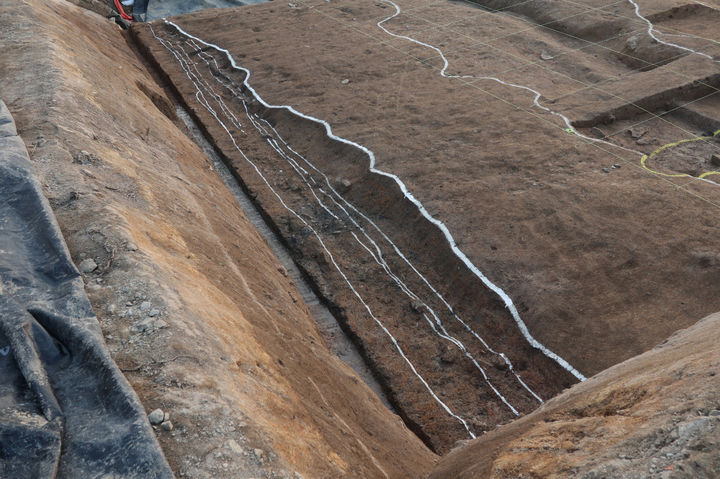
x=637, y=132
x=87, y=266
x=156, y=417
x=715, y=160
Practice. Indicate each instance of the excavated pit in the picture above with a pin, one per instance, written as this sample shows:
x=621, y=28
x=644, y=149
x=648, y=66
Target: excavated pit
x=426, y=279
x=445, y=349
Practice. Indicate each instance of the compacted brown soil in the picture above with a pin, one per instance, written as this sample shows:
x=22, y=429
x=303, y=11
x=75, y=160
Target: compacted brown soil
x=195, y=308
x=602, y=255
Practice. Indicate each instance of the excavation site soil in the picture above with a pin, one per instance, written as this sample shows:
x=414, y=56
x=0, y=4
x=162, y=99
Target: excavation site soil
x=485, y=194
x=368, y=239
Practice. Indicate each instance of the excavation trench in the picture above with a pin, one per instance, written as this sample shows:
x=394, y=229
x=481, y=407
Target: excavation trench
x=444, y=348
x=335, y=337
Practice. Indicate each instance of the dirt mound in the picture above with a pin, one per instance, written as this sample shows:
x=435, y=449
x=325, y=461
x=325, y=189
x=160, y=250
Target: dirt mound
x=656, y=415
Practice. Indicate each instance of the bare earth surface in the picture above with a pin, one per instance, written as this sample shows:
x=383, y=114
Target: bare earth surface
x=572, y=157
x=603, y=254
x=656, y=415
x=194, y=307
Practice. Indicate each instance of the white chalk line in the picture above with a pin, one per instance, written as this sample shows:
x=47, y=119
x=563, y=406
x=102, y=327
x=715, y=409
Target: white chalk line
x=377, y=255
x=569, y=128
x=317, y=236
x=651, y=30
x=443, y=228
x=537, y=95
x=380, y=260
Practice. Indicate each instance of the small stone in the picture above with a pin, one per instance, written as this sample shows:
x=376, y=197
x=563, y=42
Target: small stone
x=83, y=158
x=130, y=246
x=632, y=43
x=153, y=313
x=145, y=306
x=637, y=132
x=345, y=81
x=87, y=266
x=167, y=426
x=156, y=417
x=149, y=325
x=644, y=141
x=616, y=166
x=166, y=416
x=606, y=170
x=715, y=159
x=714, y=413
x=545, y=55
x=259, y=453
x=597, y=132
x=416, y=305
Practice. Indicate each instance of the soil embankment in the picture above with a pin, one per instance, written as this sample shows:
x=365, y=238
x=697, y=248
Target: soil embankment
x=601, y=230
x=602, y=257
x=655, y=415
x=194, y=307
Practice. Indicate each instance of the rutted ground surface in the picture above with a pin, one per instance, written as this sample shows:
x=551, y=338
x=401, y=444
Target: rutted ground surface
x=194, y=307
x=653, y=416
x=603, y=258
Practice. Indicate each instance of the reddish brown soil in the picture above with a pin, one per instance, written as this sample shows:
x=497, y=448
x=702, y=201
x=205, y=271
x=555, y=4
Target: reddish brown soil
x=602, y=262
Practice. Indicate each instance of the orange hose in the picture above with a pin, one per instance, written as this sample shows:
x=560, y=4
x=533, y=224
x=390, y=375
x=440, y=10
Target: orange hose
x=121, y=11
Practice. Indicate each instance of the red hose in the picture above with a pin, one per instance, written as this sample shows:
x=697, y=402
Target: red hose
x=121, y=11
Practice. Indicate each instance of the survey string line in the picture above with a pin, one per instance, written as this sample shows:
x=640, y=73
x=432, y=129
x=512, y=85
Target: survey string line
x=567, y=129
x=320, y=241
x=566, y=120
x=651, y=31
x=380, y=260
x=443, y=228
x=531, y=113
x=414, y=269
x=598, y=44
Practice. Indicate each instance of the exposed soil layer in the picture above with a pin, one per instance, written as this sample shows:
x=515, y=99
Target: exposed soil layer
x=603, y=257
x=333, y=244
x=196, y=310
x=654, y=416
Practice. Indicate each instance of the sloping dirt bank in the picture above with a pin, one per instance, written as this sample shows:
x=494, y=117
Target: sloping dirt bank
x=194, y=307
x=345, y=225
x=603, y=259
x=655, y=415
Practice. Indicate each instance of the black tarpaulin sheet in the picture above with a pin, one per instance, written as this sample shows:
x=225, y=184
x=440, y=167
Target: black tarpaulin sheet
x=66, y=411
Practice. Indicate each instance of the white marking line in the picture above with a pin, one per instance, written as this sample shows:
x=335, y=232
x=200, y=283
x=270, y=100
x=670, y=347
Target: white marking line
x=536, y=100
x=381, y=261
x=377, y=255
x=446, y=232
x=652, y=30
x=317, y=236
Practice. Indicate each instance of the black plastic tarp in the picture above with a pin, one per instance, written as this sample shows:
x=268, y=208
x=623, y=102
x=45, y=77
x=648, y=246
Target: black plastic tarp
x=66, y=411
